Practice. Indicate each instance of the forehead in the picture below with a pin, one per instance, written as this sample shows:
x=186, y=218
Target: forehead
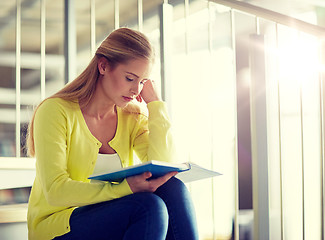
x=139, y=67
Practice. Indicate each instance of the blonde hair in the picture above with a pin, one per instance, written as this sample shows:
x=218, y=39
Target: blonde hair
x=121, y=46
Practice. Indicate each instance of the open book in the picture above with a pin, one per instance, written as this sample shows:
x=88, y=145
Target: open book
x=187, y=172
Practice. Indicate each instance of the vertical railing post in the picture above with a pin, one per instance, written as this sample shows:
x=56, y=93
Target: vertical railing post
x=236, y=172
x=322, y=124
x=259, y=138
x=92, y=27
x=212, y=122
x=279, y=135
x=140, y=15
x=18, y=75
x=166, y=21
x=70, y=40
x=302, y=157
x=116, y=14
x=43, y=39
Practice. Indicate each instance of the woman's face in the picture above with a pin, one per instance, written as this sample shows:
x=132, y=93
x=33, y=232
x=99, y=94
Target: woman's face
x=124, y=82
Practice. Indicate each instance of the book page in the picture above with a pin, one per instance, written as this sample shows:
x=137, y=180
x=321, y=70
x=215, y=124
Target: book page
x=196, y=173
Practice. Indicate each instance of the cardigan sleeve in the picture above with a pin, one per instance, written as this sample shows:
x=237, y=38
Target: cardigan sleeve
x=154, y=136
x=51, y=148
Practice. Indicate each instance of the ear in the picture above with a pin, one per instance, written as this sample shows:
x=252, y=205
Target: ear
x=102, y=65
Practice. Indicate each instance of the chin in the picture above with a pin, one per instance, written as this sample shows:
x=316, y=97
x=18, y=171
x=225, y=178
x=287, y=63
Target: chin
x=122, y=104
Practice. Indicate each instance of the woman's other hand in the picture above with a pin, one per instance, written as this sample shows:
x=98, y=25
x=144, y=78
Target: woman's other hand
x=141, y=183
x=149, y=93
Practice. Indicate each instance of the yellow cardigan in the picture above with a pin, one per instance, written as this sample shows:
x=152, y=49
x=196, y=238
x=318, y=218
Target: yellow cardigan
x=66, y=153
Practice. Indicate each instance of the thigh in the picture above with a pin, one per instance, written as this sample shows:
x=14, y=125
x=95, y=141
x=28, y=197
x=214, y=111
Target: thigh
x=137, y=216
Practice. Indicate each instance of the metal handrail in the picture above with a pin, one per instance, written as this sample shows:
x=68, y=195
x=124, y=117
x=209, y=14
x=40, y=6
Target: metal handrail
x=274, y=16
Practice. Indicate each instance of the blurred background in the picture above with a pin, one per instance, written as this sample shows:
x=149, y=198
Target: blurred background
x=243, y=81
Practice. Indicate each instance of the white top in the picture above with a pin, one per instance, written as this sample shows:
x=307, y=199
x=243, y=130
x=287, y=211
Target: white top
x=107, y=163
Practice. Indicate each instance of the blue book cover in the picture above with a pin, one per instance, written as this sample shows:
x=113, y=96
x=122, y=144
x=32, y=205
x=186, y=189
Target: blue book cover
x=157, y=169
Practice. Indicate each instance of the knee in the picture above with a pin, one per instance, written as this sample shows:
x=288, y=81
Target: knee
x=149, y=219
x=154, y=207
x=174, y=186
x=155, y=204
x=176, y=183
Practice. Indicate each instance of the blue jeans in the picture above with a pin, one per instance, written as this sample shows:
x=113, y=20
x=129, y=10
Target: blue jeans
x=167, y=213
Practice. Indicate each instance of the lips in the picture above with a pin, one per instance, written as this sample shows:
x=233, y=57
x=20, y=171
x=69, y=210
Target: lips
x=127, y=99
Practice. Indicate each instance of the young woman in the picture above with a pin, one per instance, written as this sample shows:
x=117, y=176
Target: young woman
x=92, y=124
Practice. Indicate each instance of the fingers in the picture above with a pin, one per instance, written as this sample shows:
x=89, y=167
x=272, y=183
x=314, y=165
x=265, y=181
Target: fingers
x=149, y=92
x=153, y=184
x=161, y=180
x=141, y=183
x=146, y=175
x=150, y=82
x=139, y=98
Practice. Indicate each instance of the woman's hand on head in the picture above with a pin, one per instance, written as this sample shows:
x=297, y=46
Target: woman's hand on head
x=141, y=183
x=149, y=93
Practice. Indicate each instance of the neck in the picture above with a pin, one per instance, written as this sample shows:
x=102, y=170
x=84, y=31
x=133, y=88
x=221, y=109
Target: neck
x=99, y=109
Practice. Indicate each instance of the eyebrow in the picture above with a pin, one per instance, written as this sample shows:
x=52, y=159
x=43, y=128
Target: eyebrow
x=133, y=74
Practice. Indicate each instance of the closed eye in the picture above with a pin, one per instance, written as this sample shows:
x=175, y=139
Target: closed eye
x=129, y=79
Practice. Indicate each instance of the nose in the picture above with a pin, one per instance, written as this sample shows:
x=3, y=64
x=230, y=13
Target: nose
x=136, y=88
